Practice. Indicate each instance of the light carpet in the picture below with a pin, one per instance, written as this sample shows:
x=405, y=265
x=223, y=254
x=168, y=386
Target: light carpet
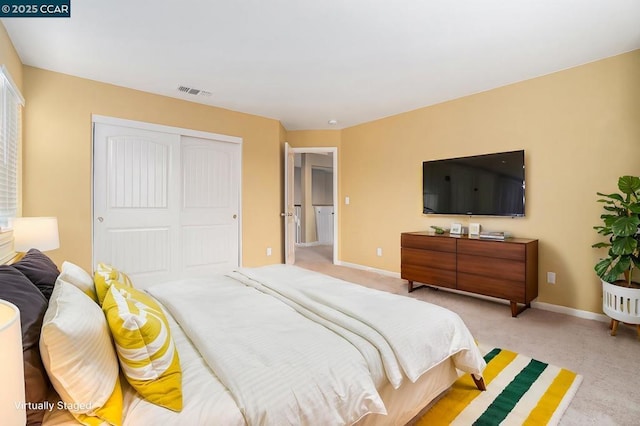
x=520, y=391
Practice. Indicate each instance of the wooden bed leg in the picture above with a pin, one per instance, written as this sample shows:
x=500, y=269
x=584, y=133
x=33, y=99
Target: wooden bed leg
x=479, y=383
x=410, y=286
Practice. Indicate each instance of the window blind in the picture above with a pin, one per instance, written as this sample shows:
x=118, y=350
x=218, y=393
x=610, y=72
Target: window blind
x=11, y=102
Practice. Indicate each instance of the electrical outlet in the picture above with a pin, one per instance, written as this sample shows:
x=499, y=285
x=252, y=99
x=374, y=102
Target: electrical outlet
x=268, y=251
x=379, y=251
x=551, y=277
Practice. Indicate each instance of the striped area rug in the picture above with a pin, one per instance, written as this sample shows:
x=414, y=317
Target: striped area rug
x=520, y=391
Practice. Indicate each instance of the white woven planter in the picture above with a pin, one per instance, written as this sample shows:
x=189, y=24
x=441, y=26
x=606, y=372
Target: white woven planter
x=621, y=303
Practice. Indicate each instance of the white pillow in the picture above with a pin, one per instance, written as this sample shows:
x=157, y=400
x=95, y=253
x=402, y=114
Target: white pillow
x=77, y=276
x=78, y=354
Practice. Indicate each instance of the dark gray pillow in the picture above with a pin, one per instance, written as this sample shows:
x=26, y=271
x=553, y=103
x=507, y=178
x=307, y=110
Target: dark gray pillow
x=40, y=270
x=19, y=290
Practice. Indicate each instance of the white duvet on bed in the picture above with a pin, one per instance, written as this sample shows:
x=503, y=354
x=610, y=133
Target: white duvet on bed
x=420, y=335
x=281, y=369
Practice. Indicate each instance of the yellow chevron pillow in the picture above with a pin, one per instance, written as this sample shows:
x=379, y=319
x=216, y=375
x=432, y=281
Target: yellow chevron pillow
x=104, y=276
x=147, y=354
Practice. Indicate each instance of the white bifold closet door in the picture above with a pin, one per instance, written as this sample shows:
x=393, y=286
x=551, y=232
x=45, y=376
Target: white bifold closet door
x=166, y=206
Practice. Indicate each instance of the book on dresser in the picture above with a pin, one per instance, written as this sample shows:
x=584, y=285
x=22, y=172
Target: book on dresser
x=504, y=269
x=494, y=235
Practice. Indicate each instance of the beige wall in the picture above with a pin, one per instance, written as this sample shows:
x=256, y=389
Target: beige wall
x=580, y=129
x=57, y=157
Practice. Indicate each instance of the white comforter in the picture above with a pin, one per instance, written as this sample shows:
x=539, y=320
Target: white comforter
x=281, y=369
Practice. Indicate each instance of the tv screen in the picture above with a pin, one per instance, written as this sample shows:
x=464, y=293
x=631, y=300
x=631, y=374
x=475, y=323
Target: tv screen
x=490, y=184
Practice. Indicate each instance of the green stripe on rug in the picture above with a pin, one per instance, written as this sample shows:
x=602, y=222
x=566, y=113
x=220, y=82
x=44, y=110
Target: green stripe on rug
x=520, y=390
x=509, y=397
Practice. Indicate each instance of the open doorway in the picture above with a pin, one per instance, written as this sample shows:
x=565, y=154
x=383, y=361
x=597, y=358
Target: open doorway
x=313, y=190
x=314, y=210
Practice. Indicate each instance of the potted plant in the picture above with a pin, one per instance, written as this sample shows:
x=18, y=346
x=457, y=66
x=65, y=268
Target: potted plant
x=621, y=222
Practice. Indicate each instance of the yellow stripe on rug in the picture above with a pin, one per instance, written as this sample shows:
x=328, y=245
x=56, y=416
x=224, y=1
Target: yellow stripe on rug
x=520, y=390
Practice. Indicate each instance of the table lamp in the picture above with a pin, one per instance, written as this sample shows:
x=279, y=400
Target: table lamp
x=35, y=232
x=12, y=404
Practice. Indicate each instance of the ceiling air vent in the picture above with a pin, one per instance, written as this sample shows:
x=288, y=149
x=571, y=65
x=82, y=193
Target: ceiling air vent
x=192, y=91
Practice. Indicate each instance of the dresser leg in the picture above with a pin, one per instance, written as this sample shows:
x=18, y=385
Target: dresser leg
x=515, y=310
x=410, y=286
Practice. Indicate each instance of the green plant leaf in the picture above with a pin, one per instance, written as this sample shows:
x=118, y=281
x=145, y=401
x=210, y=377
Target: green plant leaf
x=629, y=184
x=620, y=266
x=625, y=226
x=602, y=267
x=601, y=245
x=624, y=246
x=613, y=196
x=610, y=269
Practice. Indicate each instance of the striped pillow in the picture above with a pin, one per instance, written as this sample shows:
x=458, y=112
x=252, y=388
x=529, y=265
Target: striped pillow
x=77, y=276
x=147, y=353
x=78, y=355
x=106, y=275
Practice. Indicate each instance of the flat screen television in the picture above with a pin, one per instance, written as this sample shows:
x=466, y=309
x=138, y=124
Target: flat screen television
x=490, y=185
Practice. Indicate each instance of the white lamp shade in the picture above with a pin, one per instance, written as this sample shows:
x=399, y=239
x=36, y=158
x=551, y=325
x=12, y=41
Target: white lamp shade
x=35, y=232
x=12, y=405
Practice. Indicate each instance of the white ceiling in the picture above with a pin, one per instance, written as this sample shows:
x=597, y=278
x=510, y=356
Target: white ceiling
x=304, y=62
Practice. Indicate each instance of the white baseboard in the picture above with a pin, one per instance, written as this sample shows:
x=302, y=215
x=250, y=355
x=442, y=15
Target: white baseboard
x=370, y=269
x=570, y=311
x=538, y=305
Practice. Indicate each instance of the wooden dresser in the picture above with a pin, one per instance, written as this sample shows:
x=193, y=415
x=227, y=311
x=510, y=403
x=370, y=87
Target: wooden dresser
x=503, y=269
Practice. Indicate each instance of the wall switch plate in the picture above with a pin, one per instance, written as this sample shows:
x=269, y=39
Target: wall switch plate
x=346, y=200
x=379, y=251
x=268, y=251
x=551, y=277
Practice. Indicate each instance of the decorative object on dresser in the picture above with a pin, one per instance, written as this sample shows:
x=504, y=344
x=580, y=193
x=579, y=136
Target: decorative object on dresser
x=494, y=235
x=474, y=230
x=502, y=269
x=621, y=227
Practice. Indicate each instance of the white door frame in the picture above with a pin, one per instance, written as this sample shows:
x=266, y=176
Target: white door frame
x=334, y=152
x=96, y=118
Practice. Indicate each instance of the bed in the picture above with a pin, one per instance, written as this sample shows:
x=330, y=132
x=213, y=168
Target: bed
x=270, y=345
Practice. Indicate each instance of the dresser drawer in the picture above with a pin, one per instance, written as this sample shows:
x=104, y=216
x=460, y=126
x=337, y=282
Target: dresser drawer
x=428, y=258
x=495, y=287
x=426, y=275
x=506, y=269
x=447, y=244
x=500, y=249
